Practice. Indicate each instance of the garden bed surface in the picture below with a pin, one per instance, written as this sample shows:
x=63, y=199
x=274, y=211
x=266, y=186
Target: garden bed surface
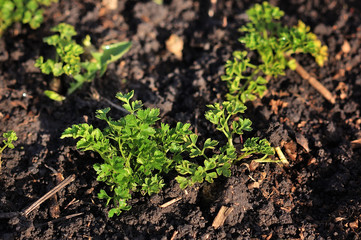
x=317, y=197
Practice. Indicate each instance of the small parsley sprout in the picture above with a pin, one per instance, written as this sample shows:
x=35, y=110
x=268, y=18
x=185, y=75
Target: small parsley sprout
x=138, y=151
x=69, y=58
x=274, y=44
x=9, y=137
x=24, y=11
x=220, y=161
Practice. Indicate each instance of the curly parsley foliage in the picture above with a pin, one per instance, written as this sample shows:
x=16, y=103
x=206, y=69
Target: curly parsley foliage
x=138, y=151
x=219, y=162
x=274, y=43
x=9, y=138
x=24, y=11
x=70, y=58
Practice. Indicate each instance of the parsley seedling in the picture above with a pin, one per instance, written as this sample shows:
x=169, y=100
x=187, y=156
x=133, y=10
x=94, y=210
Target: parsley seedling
x=69, y=62
x=220, y=161
x=274, y=44
x=138, y=151
x=9, y=137
x=24, y=11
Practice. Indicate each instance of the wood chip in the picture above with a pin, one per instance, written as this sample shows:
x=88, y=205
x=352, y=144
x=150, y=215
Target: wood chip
x=263, y=176
x=339, y=219
x=358, y=123
x=175, y=45
x=291, y=150
x=253, y=165
x=224, y=22
x=221, y=216
x=269, y=236
x=346, y=48
x=301, y=140
x=343, y=88
x=302, y=124
x=356, y=143
x=110, y=4
x=212, y=9
x=253, y=185
x=55, y=84
x=311, y=161
x=353, y=225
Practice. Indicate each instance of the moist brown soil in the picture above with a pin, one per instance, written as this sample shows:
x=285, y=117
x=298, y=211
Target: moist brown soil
x=317, y=197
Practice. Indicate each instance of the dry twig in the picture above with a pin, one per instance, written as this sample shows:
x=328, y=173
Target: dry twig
x=170, y=202
x=315, y=83
x=221, y=216
x=48, y=195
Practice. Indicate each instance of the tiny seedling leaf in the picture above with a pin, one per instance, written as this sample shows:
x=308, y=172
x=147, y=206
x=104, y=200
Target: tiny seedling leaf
x=112, y=53
x=54, y=95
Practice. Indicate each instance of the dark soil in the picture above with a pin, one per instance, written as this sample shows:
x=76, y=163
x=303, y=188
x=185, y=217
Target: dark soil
x=317, y=197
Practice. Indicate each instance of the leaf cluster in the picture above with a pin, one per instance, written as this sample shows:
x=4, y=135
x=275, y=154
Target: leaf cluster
x=138, y=151
x=218, y=162
x=274, y=43
x=9, y=138
x=70, y=58
x=24, y=11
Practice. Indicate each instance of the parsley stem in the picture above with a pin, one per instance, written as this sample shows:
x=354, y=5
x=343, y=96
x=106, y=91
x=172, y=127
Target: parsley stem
x=244, y=155
x=127, y=159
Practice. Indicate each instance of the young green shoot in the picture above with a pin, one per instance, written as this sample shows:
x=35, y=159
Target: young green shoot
x=9, y=138
x=220, y=161
x=70, y=60
x=135, y=151
x=24, y=11
x=274, y=44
